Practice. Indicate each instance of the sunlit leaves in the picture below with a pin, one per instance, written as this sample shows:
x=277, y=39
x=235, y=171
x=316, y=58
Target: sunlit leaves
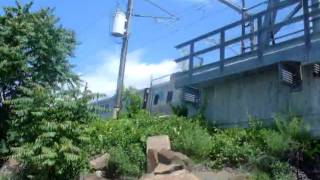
x=34, y=45
x=47, y=130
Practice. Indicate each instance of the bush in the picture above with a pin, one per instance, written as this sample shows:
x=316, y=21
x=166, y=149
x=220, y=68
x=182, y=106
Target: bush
x=281, y=145
x=3, y=177
x=126, y=140
x=281, y=171
x=232, y=147
x=180, y=110
x=130, y=161
x=260, y=149
x=277, y=143
x=52, y=137
x=259, y=175
x=194, y=141
x=132, y=102
x=293, y=128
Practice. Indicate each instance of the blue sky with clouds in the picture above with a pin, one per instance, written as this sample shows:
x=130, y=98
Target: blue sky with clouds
x=151, y=47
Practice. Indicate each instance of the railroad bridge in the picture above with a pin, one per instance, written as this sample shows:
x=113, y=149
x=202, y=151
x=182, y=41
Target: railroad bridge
x=265, y=64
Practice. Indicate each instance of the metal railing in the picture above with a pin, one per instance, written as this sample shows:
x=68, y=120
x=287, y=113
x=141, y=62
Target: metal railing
x=260, y=34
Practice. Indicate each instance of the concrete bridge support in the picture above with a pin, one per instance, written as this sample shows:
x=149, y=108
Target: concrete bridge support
x=263, y=96
x=316, y=19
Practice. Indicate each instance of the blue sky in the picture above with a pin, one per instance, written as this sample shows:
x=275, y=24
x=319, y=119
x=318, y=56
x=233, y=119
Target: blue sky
x=151, y=47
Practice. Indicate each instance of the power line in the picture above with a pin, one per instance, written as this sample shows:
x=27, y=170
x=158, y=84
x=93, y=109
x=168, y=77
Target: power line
x=193, y=7
x=189, y=25
x=154, y=17
x=161, y=38
x=161, y=8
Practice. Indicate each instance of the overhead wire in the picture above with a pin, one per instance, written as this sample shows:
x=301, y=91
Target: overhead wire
x=171, y=23
x=168, y=20
x=189, y=25
x=198, y=7
x=161, y=8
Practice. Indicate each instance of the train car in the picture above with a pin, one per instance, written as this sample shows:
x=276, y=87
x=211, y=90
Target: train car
x=158, y=99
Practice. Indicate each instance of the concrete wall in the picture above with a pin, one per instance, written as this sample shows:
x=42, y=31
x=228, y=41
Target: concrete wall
x=306, y=103
x=262, y=96
x=231, y=102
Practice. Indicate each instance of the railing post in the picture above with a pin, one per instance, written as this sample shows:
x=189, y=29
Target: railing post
x=243, y=33
x=252, y=38
x=305, y=6
x=191, y=58
x=222, y=49
x=260, y=33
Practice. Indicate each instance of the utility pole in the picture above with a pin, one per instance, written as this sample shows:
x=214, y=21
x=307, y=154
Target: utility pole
x=123, y=58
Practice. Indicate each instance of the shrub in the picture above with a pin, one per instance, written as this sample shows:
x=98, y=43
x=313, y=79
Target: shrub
x=259, y=175
x=4, y=177
x=281, y=145
x=52, y=136
x=128, y=138
x=281, y=170
x=194, y=141
x=232, y=147
x=286, y=138
x=127, y=161
x=277, y=143
x=132, y=102
x=180, y=110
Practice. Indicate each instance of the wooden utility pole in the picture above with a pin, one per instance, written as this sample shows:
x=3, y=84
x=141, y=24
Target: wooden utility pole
x=123, y=59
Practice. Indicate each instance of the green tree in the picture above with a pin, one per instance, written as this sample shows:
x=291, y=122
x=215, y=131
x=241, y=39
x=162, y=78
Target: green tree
x=132, y=102
x=46, y=131
x=34, y=48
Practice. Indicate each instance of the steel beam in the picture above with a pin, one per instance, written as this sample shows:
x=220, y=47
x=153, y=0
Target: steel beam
x=306, y=22
x=232, y=5
x=289, y=16
x=269, y=20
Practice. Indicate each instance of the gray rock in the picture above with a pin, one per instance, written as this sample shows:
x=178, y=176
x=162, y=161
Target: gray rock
x=167, y=169
x=152, y=160
x=154, y=145
x=100, y=162
x=177, y=175
x=11, y=168
x=171, y=157
x=91, y=177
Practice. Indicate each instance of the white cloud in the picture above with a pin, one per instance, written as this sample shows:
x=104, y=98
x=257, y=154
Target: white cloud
x=103, y=79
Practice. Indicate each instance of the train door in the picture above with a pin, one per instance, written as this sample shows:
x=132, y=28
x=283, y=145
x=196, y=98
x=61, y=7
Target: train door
x=146, y=95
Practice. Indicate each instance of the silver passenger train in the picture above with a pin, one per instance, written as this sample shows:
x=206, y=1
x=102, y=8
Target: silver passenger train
x=159, y=98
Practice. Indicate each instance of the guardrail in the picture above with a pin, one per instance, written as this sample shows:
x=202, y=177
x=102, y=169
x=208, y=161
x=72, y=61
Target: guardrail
x=259, y=35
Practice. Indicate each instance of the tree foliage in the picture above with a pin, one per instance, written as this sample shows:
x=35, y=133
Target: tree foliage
x=132, y=102
x=34, y=48
x=52, y=136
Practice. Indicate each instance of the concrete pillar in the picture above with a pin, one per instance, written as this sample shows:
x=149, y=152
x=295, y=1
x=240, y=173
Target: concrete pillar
x=316, y=19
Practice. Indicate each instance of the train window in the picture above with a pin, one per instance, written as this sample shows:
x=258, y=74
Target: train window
x=156, y=99
x=169, y=96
